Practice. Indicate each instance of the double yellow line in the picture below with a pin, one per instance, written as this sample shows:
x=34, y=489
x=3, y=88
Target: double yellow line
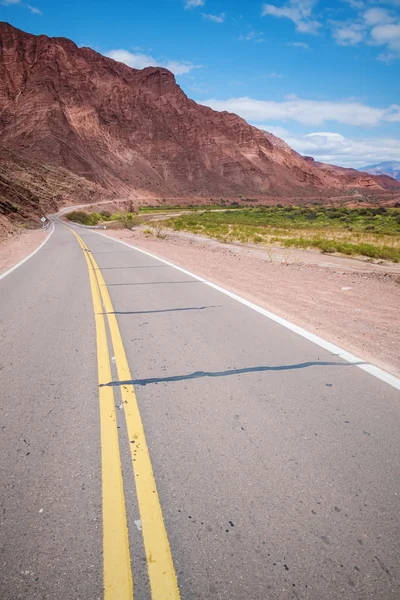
x=118, y=583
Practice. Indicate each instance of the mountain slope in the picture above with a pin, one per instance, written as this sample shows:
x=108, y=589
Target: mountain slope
x=29, y=190
x=134, y=131
x=390, y=168
x=354, y=178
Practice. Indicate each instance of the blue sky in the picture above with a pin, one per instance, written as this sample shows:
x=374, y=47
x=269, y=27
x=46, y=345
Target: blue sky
x=324, y=76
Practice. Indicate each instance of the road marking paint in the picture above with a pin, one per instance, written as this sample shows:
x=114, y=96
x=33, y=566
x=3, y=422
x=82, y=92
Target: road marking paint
x=161, y=570
x=372, y=369
x=28, y=257
x=117, y=572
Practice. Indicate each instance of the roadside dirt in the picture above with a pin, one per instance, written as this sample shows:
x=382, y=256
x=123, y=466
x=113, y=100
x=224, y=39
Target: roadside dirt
x=356, y=308
x=277, y=254
x=18, y=246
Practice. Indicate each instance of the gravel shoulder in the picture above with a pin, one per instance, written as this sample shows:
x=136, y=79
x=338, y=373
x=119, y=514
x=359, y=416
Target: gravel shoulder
x=18, y=246
x=358, y=309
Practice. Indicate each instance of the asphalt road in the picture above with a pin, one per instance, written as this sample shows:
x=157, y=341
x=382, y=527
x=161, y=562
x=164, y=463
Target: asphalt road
x=274, y=463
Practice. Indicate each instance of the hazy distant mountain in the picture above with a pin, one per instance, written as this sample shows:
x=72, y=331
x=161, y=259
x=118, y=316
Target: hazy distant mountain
x=390, y=167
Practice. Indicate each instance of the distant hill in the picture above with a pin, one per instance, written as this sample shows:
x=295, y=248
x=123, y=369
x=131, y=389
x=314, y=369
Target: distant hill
x=390, y=167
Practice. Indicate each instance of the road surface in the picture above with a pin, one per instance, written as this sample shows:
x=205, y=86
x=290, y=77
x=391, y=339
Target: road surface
x=161, y=440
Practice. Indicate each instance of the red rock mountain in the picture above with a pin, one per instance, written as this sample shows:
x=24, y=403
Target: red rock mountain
x=135, y=133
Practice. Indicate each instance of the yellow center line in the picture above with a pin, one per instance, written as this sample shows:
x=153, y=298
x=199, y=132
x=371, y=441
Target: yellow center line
x=117, y=572
x=161, y=570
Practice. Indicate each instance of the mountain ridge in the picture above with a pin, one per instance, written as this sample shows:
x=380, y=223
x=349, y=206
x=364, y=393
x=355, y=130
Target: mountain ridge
x=134, y=133
x=388, y=167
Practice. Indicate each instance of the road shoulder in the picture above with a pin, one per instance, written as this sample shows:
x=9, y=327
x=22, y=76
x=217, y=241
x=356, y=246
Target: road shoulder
x=18, y=246
x=351, y=309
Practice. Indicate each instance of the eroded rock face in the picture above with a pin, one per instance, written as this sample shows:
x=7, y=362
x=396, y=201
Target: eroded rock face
x=30, y=190
x=134, y=131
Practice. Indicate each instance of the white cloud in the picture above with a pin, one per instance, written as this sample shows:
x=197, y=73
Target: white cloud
x=299, y=45
x=334, y=148
x=214, y=18
x=349, y=34
x=378, y=16
x=374, y=26
x=136, y=61
x=140, y=61
x=307, y=112
x=386, y=57
x=252, y=35
x=356, y=3
x=375, y=23
x=388, y=34
x=179, y=68
x=298, y=11
x=34, y=10
x=280, y=132
x=193, y=3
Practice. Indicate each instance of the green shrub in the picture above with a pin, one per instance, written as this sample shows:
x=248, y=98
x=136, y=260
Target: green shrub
x=128, y=220
x=80, y=216
x=330, y=228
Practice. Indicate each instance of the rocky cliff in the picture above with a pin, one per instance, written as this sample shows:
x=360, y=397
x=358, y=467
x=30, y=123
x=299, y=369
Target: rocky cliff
x=134, y=132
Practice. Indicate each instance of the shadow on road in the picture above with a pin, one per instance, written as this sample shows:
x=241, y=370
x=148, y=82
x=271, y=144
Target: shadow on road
x=138, y=267
x=200, y=374
x=154, y=282
x=152, y=312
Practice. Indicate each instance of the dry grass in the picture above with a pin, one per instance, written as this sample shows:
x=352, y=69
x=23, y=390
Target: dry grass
x=374, y=233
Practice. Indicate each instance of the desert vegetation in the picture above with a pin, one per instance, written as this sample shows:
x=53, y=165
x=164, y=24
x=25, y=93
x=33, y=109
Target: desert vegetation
x=125, y=219
x=370, y=232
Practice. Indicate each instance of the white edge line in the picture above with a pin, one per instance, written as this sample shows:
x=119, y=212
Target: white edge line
x=27, y=257
x=336, y=350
